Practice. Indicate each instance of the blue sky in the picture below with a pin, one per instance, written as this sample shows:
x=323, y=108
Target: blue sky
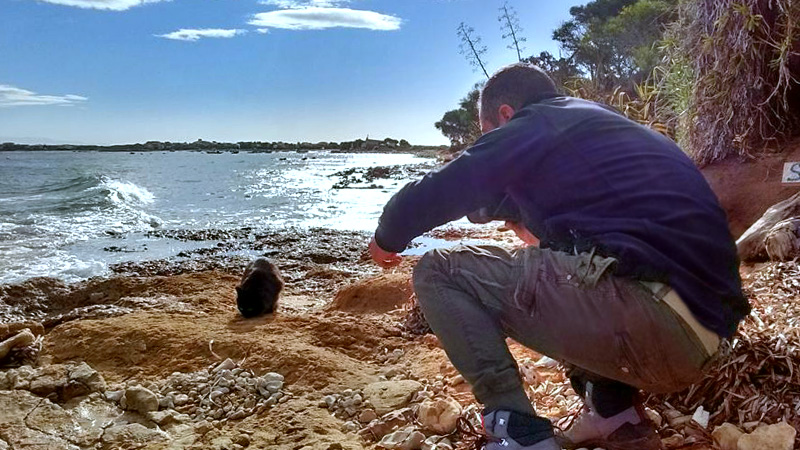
x=122, y=71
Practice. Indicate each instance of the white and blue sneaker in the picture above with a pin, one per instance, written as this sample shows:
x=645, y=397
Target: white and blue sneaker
x=509, y=430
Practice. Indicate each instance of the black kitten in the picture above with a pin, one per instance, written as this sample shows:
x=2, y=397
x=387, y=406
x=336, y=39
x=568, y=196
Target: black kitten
x=258, y=292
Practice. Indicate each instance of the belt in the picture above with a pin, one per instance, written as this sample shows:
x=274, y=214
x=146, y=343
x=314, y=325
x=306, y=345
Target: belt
x=663, y=292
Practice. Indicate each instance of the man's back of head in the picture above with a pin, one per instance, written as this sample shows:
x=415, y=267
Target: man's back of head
x=515, y=85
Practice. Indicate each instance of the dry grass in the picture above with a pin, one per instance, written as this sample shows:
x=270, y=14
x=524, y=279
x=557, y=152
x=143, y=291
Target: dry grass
x=758, y=378
x=739, y=53
x=641, y=106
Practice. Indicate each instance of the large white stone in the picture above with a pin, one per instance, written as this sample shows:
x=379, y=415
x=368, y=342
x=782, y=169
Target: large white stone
x=439, y=415
x=769, y=437
x=726, y=436
x=386, y=396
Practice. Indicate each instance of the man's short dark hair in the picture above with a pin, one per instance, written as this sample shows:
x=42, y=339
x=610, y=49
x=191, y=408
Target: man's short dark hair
x=514, y=85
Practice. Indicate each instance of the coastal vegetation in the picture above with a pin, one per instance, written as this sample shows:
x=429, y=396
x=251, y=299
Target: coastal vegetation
x=721, y=77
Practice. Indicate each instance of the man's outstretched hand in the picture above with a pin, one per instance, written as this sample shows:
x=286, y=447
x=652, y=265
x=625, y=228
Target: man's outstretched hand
x=522, y=233
x=382, y=257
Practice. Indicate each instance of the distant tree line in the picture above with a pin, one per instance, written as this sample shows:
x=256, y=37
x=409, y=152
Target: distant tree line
x=357, y=145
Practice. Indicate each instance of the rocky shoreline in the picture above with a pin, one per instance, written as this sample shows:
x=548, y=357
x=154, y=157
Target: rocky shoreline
x=155, y=357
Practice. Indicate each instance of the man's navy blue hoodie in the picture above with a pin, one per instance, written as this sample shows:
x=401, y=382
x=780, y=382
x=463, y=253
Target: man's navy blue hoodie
x=583, y=177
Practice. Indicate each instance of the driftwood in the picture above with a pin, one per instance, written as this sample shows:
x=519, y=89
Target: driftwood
x=23, y=339
x=775, y=235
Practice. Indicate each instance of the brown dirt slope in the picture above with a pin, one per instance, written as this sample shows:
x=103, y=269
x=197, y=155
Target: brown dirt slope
x=747, y=188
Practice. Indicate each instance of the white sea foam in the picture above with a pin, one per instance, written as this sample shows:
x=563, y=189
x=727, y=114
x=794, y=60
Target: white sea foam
x=123, y=192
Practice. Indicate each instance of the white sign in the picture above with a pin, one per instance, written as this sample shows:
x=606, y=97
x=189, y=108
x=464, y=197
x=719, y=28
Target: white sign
x=791, y=172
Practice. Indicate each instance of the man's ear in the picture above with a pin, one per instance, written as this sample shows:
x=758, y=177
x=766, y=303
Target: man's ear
x=506, y=112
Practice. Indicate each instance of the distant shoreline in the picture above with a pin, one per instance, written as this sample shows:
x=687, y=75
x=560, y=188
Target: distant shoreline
x=358, y=146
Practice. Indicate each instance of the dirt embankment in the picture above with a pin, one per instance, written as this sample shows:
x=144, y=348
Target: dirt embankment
x=747, y=188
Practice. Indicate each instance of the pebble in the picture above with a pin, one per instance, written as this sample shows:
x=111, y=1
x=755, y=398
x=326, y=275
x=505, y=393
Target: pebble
x=242, y=439
x=351, y=427
x=115, y=396
x=367, y=416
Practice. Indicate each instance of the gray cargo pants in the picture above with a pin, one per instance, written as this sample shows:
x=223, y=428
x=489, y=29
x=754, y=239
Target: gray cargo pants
x=612, y=330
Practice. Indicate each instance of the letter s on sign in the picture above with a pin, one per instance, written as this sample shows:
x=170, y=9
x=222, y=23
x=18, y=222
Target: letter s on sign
x=791, y=172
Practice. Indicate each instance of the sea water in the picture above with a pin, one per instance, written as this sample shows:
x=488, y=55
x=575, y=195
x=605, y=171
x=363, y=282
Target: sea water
x=72, y=214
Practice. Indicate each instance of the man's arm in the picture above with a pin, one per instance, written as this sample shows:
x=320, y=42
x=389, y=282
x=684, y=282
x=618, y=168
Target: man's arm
x=473, y=180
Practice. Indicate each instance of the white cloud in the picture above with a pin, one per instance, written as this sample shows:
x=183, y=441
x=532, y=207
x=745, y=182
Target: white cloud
x=14, y=96
x=297, y=4
x=194, y=35
x=110, y=5
x=318, y=18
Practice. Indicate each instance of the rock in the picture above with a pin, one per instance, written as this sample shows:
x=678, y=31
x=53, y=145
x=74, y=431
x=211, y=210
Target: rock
x=51, y=419
x=701, y=417
x=21, y=377
x=228, y=364
x=421, y=395
x=457, y=380
x=238, y=414
x=272, y=376
x=114, y=396
x=386, y=396
x=203, y=427
x=439, y=415
x=437, y=443
x=22, y=437
x=769, y=437
x=242, y=439
x=21, y=339
x=367, y=416
x=129, y=435
x=405, y=439
x=49, y=380
x=181, y=399
x=274, y=386
x=166, y=402
x=324, y=403
x=377, y=429
x=84, y=374
x=3, y=445
x=166, y=418
x=15, y=406
x=726, y=436
x=140, y=399
x=350, y=427
x=750, y=426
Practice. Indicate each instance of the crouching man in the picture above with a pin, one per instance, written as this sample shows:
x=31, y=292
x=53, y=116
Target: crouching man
x=633, y=285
